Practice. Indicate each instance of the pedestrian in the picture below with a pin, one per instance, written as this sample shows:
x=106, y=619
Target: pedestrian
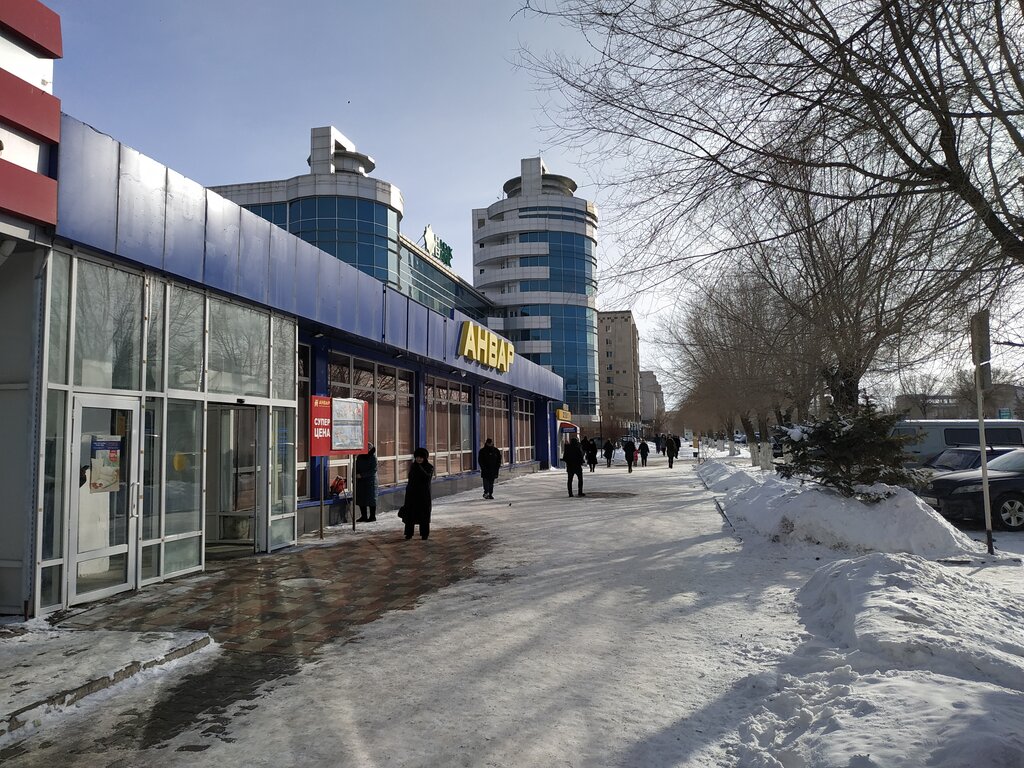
x=416, y=510
x=644, y=450
x=671, y=449
x=591, y=453
x=609, y=451
x=489, y=461
x=573, y=458
x=366, y=484
x=629, y=448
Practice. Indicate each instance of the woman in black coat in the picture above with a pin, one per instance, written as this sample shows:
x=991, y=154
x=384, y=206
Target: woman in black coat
x=366, y=484
x=591, y=453
x=416, y=510
x=609, y=451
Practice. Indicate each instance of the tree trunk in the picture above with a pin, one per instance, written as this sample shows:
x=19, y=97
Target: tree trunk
x=844, y=385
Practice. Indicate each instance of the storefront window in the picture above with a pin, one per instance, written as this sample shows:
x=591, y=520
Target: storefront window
x=152, y=468
x=155, y=337
x=494, y=421
x=283, y=381
x=301, y=446
x=183, y=468
x=185, y=340
x=60, y=301
x=182, y=554
x=282, y=478
x=239, y=361
x=53, y=483
x=449, y=426
x=525, y=450
x=108, y=327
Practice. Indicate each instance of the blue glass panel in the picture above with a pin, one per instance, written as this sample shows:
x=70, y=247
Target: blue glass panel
x=380, y=215
x=307, y=276
x=328, y=290
x=326, y=208
x=254, y=257
x=87, y=192
x=370, y=295
x=221, y=265
x=347, y=208
x=141, y=198
x=396, y=321
x=365, y=210
x=417, y=328
x=282, y=270
x=307, y=208
x=185, y=231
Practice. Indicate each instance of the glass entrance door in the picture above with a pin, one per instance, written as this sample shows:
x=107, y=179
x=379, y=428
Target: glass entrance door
x=105, y=506
x=235, y=480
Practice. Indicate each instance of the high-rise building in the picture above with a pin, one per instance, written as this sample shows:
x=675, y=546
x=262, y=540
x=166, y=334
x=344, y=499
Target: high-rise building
x=619, y=356
x=534, y=256
x=652, y=398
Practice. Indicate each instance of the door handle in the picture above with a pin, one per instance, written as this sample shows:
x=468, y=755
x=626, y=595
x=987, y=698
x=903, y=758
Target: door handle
x=133, y=499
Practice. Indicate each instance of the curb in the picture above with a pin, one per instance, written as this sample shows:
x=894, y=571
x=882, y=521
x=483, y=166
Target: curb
x=11, y=723
x=718, y=506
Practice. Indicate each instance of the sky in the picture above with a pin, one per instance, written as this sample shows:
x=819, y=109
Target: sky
x=226, y=91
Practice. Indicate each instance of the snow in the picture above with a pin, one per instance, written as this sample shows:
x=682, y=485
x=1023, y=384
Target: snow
x=640, y=631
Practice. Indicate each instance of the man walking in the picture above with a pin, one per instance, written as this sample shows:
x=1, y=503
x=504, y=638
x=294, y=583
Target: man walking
x=671, y=449
x=644, y=450
x=609, y=451
x=629, y=448
x=573, y=458
x=489, y=461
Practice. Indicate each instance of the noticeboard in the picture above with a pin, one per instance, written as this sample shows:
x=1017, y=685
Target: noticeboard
x=348, y=425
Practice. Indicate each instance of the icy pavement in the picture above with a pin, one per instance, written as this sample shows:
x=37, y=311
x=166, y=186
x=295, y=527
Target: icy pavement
x=626, y=628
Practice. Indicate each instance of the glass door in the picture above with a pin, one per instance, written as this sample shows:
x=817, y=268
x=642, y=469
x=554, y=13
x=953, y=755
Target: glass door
x=105, y=507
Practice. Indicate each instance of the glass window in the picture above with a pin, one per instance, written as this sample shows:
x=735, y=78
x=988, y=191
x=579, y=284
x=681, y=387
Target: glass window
x=239, y=345
x=108, y=327
x=405, y=426
x=182, y=554
x=51, y=581
x=284, y=359
x=60, y=301
x=152, y=467
x=362, y=375
x=183, y=467
x=155, y=337
x=185, y=339
x=282, y=478
x=53, y=482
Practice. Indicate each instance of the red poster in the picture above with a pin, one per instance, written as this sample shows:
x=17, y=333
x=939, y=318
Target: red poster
x=319, y=426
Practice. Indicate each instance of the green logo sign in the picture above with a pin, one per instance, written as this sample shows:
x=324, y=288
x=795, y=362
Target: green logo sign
x=443, y=252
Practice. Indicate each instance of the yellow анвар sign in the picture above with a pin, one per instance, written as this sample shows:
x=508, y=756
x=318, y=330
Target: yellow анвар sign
x=485, y=347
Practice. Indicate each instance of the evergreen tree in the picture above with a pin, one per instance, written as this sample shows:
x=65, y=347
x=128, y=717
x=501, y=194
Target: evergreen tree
x=849, y=452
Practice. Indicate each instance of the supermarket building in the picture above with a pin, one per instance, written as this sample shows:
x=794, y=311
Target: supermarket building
x=161, y=344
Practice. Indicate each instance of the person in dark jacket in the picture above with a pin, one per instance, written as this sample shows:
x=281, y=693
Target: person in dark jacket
x=573, y=458
x=366, y=484
x=609, y=451
x=489, y=461
x=644, y=449
x=416, y=510
x=629, y=448
x=671, y=449
x=590, y=451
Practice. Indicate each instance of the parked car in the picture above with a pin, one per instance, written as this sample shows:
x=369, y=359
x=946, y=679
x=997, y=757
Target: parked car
x=964, y=457
x=958, y=495
x=933, y=436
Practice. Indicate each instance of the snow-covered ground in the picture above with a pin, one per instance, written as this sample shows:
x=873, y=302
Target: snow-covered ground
x=636, y=629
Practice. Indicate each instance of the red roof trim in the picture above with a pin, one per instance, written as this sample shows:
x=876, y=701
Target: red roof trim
x=35, y=24
x=27, y=194
x=28, y=108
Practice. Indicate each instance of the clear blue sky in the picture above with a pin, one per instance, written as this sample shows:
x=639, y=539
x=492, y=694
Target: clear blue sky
x=226, y=91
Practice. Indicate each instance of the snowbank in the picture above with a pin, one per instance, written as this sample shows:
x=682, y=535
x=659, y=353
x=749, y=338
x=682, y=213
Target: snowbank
x=786, y=511
x=907, y=663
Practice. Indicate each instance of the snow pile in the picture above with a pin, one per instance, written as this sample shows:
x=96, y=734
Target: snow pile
x=786, y=511
x=909, y=663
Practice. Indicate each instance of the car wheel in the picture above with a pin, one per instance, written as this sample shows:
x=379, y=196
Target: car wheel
x=1009, y=512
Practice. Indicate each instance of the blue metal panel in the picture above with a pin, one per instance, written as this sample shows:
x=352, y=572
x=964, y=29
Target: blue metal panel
x=253, y=256
x=396, y=319
x=417, y=328
x=329, y=296
x=370, y=296
x=435, y=335
x=307, y=275
x=141, y=201
x=221, y=265
x=87, y=188
x=282, y=269
x=185, y=231
x=348, y=285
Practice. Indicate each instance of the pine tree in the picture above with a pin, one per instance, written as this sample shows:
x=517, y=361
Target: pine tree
x=849, y=452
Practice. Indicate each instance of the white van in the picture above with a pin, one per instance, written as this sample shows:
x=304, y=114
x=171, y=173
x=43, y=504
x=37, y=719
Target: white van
x=936, y=435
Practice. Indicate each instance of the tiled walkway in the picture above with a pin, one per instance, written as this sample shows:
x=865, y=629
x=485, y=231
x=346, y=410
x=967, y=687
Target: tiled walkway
x=293, y=602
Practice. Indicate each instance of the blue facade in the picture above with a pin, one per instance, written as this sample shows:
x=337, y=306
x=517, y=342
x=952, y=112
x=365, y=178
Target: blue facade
x=117, y=201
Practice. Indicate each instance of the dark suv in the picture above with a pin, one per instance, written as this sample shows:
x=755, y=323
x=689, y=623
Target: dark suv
x=958, y=495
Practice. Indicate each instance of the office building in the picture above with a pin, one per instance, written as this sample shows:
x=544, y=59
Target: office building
x=534, y=257
x=619, y=355
x=652, y=399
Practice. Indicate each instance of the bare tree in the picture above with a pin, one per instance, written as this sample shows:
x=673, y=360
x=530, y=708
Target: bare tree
x=690, y=100
x=921, y=391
